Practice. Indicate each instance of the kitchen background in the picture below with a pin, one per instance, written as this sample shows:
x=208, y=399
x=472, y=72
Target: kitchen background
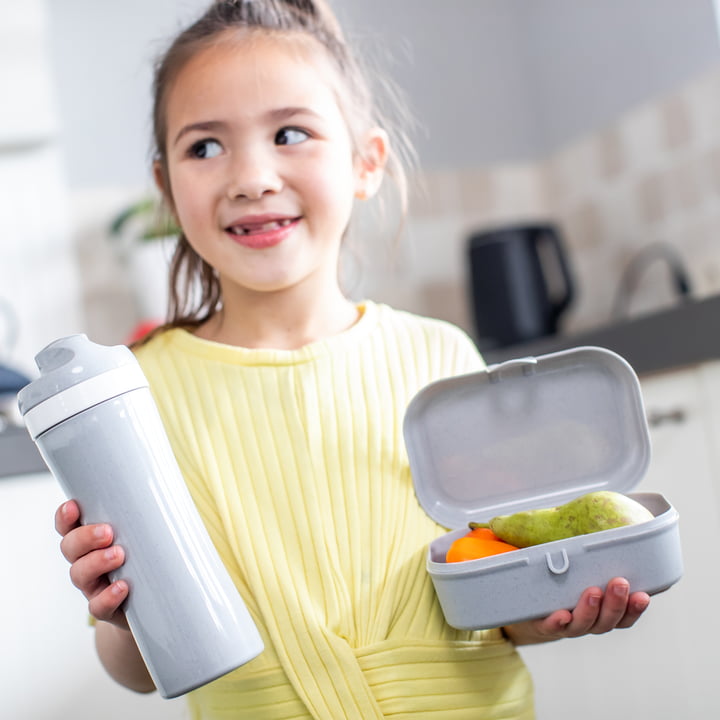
x=602, y=117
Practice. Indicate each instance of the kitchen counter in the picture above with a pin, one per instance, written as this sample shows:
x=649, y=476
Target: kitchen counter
x=682, y=335
x=18, y=453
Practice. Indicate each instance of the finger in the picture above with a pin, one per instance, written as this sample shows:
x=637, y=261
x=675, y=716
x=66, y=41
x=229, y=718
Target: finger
x=553, y=626
x=586, y=612
x=614, y=605
x=84, y=539
x=106, y=604
x=637, y=605
x=90, y=572
x=67, y=517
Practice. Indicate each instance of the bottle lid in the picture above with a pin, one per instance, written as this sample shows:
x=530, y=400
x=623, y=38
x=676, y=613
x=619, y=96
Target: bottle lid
x=76, y=374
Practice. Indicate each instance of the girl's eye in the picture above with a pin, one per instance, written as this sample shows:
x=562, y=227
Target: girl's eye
x=290, y=136
x=205, y=149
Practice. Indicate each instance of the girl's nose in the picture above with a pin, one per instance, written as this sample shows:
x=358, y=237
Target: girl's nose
x=252, y=176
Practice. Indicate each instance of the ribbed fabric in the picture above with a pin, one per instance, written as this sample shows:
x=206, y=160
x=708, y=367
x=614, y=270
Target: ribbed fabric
x=297, y=463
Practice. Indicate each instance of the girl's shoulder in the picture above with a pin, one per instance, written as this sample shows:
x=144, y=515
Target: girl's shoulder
x=434, y=336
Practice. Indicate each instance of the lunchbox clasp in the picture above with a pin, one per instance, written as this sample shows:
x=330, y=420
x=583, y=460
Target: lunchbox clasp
x=528, y=366
x=560, y=564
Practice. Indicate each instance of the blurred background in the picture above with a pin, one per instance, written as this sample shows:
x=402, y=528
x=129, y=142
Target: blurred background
x=600, y=118
x=592, y=125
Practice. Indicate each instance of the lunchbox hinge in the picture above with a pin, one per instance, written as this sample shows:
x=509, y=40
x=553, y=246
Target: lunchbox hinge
x=560, y=564
x=527, y=365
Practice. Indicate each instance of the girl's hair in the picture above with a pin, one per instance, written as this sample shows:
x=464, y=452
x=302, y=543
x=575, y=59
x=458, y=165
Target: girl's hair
x=194, y=286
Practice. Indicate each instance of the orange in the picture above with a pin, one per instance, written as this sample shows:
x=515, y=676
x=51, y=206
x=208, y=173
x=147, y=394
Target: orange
x=476, y=544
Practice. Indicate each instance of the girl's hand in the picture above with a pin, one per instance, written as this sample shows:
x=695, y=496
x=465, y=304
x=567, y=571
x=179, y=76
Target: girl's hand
x=89, y=550
x=595, y=613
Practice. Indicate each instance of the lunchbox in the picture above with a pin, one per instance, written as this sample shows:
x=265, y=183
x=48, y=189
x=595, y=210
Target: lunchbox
x=531, y=433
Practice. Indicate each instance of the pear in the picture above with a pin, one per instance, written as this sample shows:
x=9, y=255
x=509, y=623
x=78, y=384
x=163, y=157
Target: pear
x=588, y=513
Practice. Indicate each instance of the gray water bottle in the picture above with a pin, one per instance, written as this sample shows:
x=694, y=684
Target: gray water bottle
x=96, y=425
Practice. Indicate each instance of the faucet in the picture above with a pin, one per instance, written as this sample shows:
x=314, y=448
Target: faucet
x=639, y=263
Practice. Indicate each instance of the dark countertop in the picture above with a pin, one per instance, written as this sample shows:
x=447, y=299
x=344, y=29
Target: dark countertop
x=679, y=336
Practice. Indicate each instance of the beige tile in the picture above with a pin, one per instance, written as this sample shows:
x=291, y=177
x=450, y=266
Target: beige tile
x=699, y=244
x=595, y=282
x=676, y=122
x=435, y=248
x=711, y=163
x=611, y=155
x=652, y=198
x=448, y=300
x=683, y=184
x=571, y=172
x=584, y=225
x=520, y=190
x=477, y=192
x=433, y=193
x=703, y=99
x=641, y=131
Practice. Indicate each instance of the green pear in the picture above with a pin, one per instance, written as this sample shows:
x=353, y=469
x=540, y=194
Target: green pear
x=588, y=513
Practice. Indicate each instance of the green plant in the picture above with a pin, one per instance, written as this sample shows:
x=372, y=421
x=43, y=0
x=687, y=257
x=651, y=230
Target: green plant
x=148, y=219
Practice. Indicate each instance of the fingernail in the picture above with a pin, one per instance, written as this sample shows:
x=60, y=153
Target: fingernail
x=101, y=531
x=594, y=600
x=641, y=605
x=110, y=553
x=621, y=590
x=118, y=588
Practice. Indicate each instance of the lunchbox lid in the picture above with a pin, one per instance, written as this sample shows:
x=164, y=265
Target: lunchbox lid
x=526, y=433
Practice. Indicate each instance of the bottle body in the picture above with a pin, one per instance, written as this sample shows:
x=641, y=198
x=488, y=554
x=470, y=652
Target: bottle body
x=115, y=460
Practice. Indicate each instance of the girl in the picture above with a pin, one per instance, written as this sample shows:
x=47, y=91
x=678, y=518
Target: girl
x=284, y=400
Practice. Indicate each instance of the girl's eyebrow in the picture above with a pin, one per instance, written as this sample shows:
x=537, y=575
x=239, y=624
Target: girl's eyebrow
x=276, y=115
x=209, y=126
x=285, y=113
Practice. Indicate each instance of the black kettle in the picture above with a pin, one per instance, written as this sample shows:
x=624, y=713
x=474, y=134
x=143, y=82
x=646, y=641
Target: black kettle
x=520, y=283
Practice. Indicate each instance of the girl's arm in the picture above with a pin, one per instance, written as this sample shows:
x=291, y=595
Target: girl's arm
x=596, y=613
x=90, y=551
x=121, y=658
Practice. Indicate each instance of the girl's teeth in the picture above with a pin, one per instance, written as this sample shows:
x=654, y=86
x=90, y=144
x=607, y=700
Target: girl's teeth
x=272, y=225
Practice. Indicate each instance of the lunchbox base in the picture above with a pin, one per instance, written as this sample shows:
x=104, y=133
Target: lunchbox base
x=533, y=582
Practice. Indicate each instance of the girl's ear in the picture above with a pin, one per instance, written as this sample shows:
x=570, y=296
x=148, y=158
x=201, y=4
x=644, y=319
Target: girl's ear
x=163, y=185
x=370, y=163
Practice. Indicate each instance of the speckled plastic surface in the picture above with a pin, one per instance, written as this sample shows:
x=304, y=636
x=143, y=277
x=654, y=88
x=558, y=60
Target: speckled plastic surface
x=532, y=433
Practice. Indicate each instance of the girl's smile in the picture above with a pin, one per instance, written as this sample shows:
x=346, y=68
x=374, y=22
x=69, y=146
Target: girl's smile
x=261, y=231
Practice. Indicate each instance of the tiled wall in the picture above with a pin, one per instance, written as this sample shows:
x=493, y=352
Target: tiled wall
x=648, y=181
x=652, y=177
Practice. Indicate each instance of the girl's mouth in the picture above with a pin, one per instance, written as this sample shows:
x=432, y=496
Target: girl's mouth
x=261, y=234
x=255, y=228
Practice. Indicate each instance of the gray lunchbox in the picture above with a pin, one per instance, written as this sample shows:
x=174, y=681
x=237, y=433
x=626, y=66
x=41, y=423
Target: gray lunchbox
x=532, y=433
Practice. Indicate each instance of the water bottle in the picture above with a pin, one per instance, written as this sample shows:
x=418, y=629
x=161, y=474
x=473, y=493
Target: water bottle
x=98, y=429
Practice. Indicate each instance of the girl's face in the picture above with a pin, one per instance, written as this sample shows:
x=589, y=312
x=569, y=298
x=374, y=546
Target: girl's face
x=261, y=169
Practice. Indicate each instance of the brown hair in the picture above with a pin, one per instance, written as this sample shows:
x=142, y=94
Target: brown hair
x=313, y=18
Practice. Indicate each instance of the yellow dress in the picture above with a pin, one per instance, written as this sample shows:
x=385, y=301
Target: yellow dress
x=297, y=464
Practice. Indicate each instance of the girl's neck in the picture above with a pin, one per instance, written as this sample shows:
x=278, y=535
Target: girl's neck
x=280, y=321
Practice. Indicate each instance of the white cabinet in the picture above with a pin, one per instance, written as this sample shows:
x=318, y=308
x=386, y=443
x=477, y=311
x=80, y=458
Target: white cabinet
x=666, y=666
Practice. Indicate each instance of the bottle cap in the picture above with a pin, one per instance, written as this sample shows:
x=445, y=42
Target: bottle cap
x=76, y=374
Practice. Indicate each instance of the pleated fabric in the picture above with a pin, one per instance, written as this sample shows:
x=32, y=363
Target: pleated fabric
x=297, y=464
